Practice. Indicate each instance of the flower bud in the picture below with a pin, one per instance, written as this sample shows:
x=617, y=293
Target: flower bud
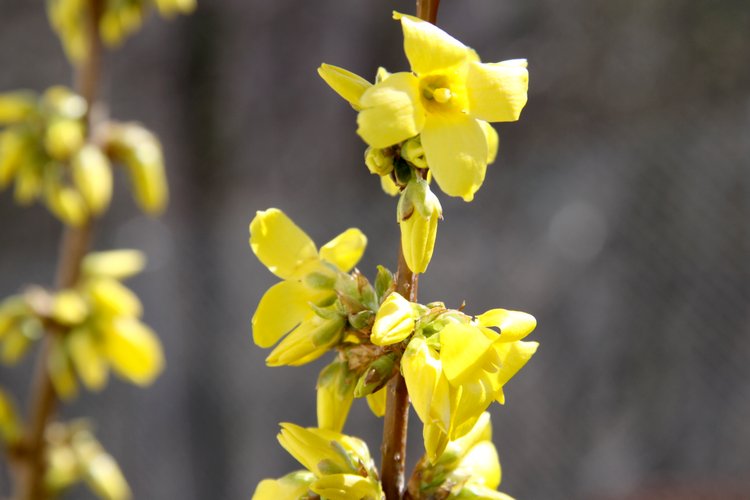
x=394, y=321
x=63, y=138
x=60, y=372
x=378, y=161
x=133, y=350
x=92, y=174
x=111, y=298
x=418, y=213
x=376, y=376
x=376, y=402
x=335, y=394
x=413, y=152
x=68, y=307
x=322, y=451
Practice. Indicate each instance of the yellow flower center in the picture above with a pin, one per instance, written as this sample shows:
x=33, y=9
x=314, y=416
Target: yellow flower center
x=442, y=93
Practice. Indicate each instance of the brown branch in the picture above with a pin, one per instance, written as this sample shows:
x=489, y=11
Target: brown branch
x=395, y=423
x=73, y=246
x=428, y=9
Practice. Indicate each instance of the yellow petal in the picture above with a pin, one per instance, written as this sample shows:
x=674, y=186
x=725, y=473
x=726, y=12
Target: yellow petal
x=392, y=111
x=87, y=358
x=429, y=389
x=316, y=449
x=389, y=187
x=429, y=48
x=344, y=83
x=69, y=308
x=346, y=487
x=435, y=441
x=345, y=250
x=463, y=349
x=294, y=485
x=92, y=174
x=112, y=298
x=335, y=392
x=116, y=264
x=513, y=325
x=133, y=351
x=280, y=244
x=307, y=342
x=497, y=91
x=490, y=134
x=456, y=151
x=104, y=476
x=482, y=464
x=513, y=356
x=376, y=401
x=284, y=306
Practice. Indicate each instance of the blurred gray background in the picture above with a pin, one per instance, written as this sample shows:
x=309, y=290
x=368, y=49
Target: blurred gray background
x=617, y=213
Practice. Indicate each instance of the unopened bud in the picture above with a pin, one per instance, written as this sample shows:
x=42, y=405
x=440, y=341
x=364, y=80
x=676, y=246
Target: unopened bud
x=378, y=161
x=63, y=138
x=419, y=211
x=92, y=174
x=394, y=321
x=413, y=152
x=16, y=106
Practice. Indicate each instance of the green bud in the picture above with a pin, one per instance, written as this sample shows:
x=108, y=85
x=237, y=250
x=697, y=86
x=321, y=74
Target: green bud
x=384, y=283
x=362, y=319
x=320, y=281
x=376, y=376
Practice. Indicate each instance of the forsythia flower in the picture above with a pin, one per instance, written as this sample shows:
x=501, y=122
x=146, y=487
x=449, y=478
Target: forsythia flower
x=340, y=467
x=308, y=278
x=447, y=99
x=453, y=376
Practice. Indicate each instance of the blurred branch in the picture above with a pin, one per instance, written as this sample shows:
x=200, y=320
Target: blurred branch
x=74, y=245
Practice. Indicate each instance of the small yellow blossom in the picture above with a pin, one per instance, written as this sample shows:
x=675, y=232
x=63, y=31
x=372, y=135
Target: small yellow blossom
x=419, y=211
x=335, y=393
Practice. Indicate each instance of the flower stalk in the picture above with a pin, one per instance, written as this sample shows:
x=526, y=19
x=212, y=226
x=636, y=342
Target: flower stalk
x=74, y=244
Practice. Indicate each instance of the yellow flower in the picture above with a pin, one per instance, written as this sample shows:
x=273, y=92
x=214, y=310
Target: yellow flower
x=445, y=98
x=308, y=274
x=335, y=392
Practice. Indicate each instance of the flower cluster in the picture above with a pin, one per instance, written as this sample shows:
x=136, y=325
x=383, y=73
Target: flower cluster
x=454, y=365
x=45, y=154
x=97, y=325
x=119, y=19
x=431, y=122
